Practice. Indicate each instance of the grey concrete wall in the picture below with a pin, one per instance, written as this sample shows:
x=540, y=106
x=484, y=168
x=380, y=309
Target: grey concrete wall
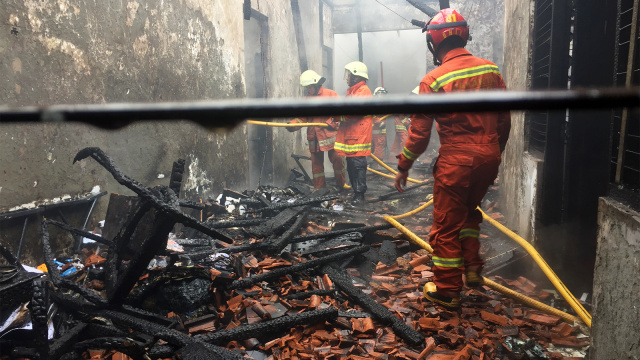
x=616, y=314
x=284, y=71
x=61, y=51
x=486, y=19
x=519, y=171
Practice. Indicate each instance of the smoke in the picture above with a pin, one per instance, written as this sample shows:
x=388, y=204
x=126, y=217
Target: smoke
x=402, y=55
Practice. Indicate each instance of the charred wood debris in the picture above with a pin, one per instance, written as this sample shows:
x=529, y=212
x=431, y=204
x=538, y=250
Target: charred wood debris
x=267, y=274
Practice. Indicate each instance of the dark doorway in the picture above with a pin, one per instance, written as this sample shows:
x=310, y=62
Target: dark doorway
x=260, y=137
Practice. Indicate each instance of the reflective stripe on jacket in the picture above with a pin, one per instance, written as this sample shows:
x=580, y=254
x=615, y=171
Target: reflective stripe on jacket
x=465, y=133
x=402, y=122
x=320, y=138
x=354, y=134
x=379, y=124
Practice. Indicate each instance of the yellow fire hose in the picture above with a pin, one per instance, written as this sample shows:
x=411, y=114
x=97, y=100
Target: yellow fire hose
x=384, y=117
x=390, y=169
x=558, y=284
x=275, y=124
x=492, y=284
x=414, y=211
x=562, y=289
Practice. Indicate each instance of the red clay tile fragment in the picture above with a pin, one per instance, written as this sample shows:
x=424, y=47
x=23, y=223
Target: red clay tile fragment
x=430, y=346
x=570, y=341
x=363, y=325
x=409, y=354
x=420, y=260
x=510, y=330
x=470, y=333
x=449, y=337
x=94, y=260
x=464, y=354
x=429, y=324
x=525, y=284
x=544, y=319
x=441, y=356
x=562, y=329
x=493, y=318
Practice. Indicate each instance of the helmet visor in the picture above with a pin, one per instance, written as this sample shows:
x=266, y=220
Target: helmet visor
x=346, y=74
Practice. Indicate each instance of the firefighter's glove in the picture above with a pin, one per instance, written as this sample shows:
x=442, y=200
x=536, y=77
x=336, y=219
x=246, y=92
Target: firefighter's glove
x=293, y=128
x=401, y=179
x=333, y=124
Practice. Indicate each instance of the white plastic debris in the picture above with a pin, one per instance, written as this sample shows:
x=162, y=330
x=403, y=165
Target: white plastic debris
x=174, y=246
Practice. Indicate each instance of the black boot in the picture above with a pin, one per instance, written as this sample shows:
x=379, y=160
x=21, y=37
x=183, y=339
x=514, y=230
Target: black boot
x=357, y=199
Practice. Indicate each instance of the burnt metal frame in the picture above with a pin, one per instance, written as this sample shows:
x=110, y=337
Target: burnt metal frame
x=40, y=209
x=297, y=158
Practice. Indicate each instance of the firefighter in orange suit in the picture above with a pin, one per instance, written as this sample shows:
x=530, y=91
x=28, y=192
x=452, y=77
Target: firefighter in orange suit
x=379, y=132
x=321, y=139
x=468, y=160
x=402, y=134
x=354, y=134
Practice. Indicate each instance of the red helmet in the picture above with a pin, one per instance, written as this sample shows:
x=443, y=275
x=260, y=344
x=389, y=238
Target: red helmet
x=447, y=22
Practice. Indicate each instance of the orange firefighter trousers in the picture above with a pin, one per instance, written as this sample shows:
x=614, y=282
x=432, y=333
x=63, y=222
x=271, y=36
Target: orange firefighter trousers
x=457, y=192
x=379, y=144
x=398, y=143
x=317, y=168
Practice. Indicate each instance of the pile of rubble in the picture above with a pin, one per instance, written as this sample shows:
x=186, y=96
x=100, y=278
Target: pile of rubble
x=270, y=274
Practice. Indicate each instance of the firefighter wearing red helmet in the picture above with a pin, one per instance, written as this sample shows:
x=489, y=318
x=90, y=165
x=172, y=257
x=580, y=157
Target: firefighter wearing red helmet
x=468, y=159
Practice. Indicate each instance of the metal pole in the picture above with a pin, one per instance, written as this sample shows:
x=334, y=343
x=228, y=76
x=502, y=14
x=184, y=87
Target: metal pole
x=359, y=29
x=84, y=224
x=228, y=113
x=24, y=227
x=297, y=25
x=628, y=82
x=420, y=5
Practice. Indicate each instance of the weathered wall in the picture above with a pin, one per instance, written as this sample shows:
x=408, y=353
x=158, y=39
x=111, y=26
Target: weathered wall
x=78, y=51
x=520, y=171
x=284, y=71
x=486, y=23
x=616, y=314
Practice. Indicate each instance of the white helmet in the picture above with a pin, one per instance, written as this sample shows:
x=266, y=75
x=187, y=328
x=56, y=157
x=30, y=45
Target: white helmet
x=356, y=68
x=311, y=77
x=380, y=91
x=416, y=90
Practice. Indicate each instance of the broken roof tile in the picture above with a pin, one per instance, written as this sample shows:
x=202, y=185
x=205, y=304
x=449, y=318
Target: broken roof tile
x=493, y=318
x=544, y=319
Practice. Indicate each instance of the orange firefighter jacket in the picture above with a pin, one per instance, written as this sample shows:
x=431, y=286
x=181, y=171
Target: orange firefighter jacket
x=319, y=138
x=354, y=134
x=379, y=124
x=402, y=122
x=462, y=135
